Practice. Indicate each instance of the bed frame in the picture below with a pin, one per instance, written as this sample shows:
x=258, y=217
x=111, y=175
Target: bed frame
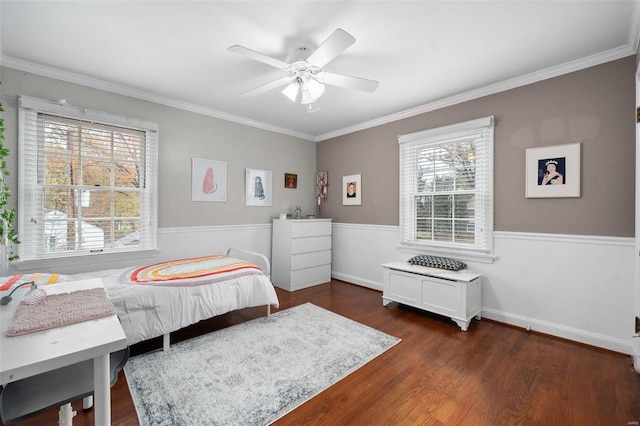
x=257, y=259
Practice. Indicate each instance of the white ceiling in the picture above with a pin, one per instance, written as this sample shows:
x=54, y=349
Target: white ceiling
x=425, y=54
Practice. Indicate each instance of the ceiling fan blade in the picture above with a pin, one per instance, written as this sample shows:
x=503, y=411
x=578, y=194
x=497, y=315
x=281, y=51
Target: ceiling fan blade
x=267, y=87
x=258, y=56
x=348, y=81
x=337, y=43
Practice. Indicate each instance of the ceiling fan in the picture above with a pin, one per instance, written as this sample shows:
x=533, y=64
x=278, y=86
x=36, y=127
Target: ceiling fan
x=305, y=78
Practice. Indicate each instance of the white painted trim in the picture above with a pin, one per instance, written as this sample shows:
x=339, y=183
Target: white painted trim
x=61, y=263
x=572, y=66
x=636, y=312
x=557, y=330
x=173, y=242
x=512, y=288
x=577, y=65
x=633, y=38
x=566, y=238
x=212, y=228
x=95, y=83
x=357, y=280
x=393, y=228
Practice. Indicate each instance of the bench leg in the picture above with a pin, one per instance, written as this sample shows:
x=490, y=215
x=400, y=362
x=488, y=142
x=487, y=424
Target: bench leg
x=66, y=415
x=87, y=402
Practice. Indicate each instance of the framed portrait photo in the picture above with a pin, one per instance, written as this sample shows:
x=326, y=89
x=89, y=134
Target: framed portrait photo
x=352, y=190
x=290, y=180
x=208, y=180
x=258, y=187
x=553, y=171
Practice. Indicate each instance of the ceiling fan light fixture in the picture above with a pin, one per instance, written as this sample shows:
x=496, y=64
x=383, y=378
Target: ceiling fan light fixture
x=305, y=78
x=311, y=91
x=291, y=91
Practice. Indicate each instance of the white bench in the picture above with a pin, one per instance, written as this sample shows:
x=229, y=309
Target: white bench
x=455, y=294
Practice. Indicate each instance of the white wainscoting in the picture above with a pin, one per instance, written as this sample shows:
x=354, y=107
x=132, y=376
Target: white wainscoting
x=173, y=243
x=576, y=287
x=202, y=240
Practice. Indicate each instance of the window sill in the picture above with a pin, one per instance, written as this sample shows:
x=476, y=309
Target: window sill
x=446, y=252
x=86, y=262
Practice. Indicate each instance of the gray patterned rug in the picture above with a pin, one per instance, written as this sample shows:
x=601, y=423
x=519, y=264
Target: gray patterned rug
x=251, y=373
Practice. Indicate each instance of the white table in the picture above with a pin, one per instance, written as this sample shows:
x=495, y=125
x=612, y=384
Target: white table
x=30, y=354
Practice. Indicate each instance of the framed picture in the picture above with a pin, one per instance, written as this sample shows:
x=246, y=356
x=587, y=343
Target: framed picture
x=351, y=190
x=553, y=171
x=208, y=180
x=290, y=180
x=258, y=187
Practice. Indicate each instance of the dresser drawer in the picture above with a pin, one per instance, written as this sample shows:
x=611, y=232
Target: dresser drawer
x=300, y=253
x=302, y=228
x=307, y=260
x=310, y=276
x=306, y=245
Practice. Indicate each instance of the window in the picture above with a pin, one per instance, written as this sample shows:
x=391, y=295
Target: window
x=446, y=188
x=87, y=182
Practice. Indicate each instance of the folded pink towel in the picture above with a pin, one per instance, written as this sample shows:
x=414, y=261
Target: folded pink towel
x=56, y=310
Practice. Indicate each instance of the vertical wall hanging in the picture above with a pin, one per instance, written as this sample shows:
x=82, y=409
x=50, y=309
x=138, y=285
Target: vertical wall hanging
x=322, y=181
x=257, y=187
x=208, y=180
x=352, y=190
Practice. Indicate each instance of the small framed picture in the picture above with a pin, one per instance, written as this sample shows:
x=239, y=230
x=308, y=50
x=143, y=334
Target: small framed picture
x=208, y=180
x=553, y=171
x=290, y=180
x=258, y=187
x=352, y=190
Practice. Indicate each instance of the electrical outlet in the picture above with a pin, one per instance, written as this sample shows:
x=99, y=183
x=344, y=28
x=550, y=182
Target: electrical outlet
x=637, y=325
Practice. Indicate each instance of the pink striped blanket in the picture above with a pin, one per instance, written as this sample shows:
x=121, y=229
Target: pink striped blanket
x=192, y=271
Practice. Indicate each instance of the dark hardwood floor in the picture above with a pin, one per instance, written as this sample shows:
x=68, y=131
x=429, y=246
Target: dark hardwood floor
x=492, y=374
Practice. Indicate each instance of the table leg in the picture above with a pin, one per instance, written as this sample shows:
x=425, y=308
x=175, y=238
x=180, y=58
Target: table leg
x=101, y=391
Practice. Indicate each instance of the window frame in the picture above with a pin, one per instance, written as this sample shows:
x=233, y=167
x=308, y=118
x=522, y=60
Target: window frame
x=409, y=144
x=30, y=212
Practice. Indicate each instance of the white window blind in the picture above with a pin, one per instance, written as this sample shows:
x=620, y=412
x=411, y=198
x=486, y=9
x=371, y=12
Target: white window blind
x=446, y=188
x=87, y=182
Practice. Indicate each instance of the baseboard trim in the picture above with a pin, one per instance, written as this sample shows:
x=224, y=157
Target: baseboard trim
x=356, y=280
x=529, y=324
x=557, y=330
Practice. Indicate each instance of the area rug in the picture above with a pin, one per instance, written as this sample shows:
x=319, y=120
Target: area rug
x=251, y=373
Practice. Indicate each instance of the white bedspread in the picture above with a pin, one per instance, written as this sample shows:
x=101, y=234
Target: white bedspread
x=148, y=311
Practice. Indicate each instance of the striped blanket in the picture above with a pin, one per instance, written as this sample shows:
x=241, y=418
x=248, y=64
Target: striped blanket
x=40, y=279
x=181, y=272
x=190, y=272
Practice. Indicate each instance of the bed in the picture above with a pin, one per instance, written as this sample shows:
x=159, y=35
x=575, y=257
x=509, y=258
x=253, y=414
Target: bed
x=157, y=299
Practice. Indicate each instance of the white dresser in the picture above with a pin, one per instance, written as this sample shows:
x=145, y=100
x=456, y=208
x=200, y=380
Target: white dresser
x=300, y=253
x=455, y=294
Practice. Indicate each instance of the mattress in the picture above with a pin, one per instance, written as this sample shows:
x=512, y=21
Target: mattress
x=147, y=311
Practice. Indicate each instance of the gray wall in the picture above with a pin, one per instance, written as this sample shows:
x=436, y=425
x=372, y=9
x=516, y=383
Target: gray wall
x=184, y=135
x=595, y=106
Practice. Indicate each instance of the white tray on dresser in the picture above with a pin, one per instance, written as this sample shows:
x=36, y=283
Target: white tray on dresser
x=455, y=294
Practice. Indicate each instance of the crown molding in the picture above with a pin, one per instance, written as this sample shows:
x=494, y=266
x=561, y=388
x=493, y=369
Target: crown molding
x=633, y=38
x=513, y=83
x=95, y=83
x=618, y=53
